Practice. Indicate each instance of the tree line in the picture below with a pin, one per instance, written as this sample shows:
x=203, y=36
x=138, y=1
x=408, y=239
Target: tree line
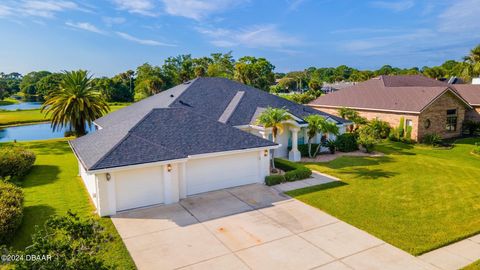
x=148, y=79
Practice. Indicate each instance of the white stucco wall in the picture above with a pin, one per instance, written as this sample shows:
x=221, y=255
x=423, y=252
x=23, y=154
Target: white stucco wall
x=90, y=183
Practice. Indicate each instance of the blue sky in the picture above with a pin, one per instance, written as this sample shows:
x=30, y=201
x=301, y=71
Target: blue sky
x=111, y=36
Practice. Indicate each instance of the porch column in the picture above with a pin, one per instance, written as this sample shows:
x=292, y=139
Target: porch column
x=294, y=154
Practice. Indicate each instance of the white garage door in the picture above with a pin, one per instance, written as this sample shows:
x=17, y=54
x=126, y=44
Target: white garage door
x=214, y=173
x=139, y=187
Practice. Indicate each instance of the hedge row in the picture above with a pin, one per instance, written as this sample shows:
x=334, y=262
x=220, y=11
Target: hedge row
x=293, y=172
x=11, y=210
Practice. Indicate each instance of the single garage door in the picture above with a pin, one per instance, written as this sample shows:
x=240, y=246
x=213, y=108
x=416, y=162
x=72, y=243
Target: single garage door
x=212, y=173
x=139, y=187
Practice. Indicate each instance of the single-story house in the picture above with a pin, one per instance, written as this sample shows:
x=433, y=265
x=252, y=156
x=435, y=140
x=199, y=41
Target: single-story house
x=427, y=105
x=196, y=137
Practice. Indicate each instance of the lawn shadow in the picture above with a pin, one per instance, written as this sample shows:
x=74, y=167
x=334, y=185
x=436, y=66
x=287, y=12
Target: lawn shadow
x=396, y=148
x=307, y=190
x=33, y=216
x=40, y=175
x=370, y=173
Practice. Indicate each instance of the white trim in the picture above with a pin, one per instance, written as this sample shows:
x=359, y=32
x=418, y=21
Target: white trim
x=359, y=108
x=137, y=166
x=216, y=154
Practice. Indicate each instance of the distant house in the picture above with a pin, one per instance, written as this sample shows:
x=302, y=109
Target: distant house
x=428, y=105
x=328, y=88
x=199, y=136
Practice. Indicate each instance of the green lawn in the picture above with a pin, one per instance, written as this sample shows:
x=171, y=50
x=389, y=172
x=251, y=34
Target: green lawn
x=53, y=187
x=473, y=266
x=8, y=101
x=8, y=118
x=417, y=198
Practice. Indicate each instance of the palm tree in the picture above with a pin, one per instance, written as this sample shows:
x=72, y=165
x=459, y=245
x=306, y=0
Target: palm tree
x=353, y=116
x=472, y=63
x=318, y=124
x=76, y=103
x=273, y=118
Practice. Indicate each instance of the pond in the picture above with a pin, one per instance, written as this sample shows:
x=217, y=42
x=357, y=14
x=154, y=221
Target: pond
x=32, y=132
x=28, y=105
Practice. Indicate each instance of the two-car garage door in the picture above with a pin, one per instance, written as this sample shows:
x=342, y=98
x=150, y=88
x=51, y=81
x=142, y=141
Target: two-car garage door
x=212, y=173
x=143, y=187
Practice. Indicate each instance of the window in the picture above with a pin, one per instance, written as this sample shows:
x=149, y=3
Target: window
x=409, y=122
x=451, y=120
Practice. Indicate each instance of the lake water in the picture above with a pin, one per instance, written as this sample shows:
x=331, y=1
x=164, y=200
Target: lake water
x=28, y=105
x=32, y=132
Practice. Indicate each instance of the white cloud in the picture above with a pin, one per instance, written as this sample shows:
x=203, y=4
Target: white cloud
x=198, y=9
x=143, y=7
x=294, y=4
x=46, y=9
x=85, y=26
x=461, y=16
x=148, y=42
x=396, y=6
x=260, y=36
x=5, y=11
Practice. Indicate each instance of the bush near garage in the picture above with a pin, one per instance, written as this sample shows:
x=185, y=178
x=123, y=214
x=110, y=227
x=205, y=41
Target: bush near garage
x=293, y=172
x=11, y=211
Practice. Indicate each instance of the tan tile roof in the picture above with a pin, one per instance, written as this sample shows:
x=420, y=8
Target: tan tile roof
x=387, y=93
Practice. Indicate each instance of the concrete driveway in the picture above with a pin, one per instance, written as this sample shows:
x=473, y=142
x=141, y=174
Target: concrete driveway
x=251, y=227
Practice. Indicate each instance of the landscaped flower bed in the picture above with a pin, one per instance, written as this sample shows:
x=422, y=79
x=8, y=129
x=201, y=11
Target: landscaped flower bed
x=293, y=172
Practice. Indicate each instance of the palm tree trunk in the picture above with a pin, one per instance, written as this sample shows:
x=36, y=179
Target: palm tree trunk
x=273, y=152
x=310, y=147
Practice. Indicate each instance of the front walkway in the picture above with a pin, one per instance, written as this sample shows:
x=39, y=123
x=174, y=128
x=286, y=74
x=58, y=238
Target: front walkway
x=252, y=227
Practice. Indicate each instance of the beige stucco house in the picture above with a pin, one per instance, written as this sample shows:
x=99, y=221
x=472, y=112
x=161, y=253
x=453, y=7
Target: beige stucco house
x=427, y=105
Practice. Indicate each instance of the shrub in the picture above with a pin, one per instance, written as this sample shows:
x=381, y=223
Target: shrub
x=293, y=172
x=276, y=179
x=367, y=138
x=15, y=161
x=331, y=145
x=401, y=127
x=471, y=126
x=298, y=174
x=303, y=149
x=11, y=210
x=381, y=128
x=408, y=134
x=347, y=142
x=431, y=139
x=476, y=150
x=394, y=135
x=72, y=243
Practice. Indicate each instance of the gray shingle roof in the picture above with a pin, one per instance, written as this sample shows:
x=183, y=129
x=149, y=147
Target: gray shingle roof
x=179, y=122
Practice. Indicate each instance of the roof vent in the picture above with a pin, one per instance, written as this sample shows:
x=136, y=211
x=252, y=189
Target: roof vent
x=187, y=82
x=172, y=95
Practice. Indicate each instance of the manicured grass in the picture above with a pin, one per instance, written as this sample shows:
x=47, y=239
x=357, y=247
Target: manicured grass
x=53, y=187
x=8, y=101
x=417, y=198
x=8, y=118
x=473, y=266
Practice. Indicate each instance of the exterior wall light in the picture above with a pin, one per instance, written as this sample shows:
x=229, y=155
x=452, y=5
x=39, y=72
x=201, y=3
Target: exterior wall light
x=169, y=167
x=108, y=176
x=265, y=153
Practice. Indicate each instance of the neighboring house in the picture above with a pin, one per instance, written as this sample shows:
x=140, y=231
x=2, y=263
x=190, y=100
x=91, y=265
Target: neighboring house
x=196, y=137
x=428, y=105
x=328, y=88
